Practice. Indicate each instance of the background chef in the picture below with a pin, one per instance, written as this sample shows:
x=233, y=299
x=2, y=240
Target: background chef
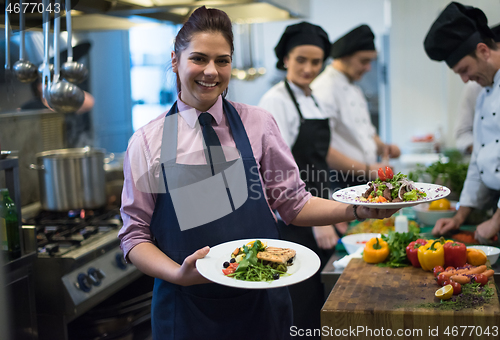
x=460, y=36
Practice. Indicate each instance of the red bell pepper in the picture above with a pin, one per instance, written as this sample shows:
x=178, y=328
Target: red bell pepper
x=455, y=254
x=412, y=251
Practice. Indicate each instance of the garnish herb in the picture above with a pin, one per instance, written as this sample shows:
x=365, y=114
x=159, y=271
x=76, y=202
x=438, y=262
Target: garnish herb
x=397, y=245
x=473, y=295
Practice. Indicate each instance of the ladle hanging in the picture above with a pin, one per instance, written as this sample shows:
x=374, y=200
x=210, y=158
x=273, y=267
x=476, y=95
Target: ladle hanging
x=24, y=70
x=63, y=97
x=72, y=71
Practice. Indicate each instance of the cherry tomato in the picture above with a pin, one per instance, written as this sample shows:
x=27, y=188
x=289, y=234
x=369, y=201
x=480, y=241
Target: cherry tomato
x=234, y=265
x=457, y=287
x=388, y=173
x=381, y=174
x=437, y=270
x=441, y=279
x=482, y=279
x=228, y=270
x=449, y=268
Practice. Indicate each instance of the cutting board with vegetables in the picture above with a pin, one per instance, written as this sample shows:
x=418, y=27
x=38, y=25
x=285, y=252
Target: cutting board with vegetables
x=370, y=297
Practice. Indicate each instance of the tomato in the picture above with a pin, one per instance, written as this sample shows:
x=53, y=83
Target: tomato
x=234, y=265
x=437, y=270
x=457, y=287
x=442, y=279
x=388, y=173
x=228, y=270
x=482, y=279
x=449, y=268
x=381, y=174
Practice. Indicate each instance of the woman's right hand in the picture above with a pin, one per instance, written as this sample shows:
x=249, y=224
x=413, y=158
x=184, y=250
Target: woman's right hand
x=187, y=274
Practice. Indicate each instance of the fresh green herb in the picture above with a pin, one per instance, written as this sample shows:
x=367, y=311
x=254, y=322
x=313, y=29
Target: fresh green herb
x=473, y=295
x=397, y=246
x=452, y=173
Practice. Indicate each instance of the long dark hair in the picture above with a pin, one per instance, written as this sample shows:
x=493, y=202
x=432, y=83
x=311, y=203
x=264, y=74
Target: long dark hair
x=203, y=20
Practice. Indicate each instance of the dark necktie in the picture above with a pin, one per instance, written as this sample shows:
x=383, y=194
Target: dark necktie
x=214, y=154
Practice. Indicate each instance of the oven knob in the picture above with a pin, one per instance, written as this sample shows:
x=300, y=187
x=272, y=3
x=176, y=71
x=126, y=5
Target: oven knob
x=95, y=276
x=83, y=283
x=120, y=261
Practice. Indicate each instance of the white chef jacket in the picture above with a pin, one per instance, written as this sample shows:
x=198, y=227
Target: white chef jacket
x=278, y=101
x=483, y=174
x=465, y=111
x=352, y=131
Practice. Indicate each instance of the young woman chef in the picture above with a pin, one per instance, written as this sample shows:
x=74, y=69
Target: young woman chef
x=167, y=227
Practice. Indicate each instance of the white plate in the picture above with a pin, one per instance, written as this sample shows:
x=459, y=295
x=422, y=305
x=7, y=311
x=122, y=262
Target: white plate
x=351, y=196
x=306, y=263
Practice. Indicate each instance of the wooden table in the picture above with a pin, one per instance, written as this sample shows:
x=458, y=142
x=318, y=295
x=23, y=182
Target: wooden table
x=370, y=302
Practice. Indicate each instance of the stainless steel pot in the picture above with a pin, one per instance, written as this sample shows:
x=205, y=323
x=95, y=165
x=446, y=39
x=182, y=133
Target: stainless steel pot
x=71, y=179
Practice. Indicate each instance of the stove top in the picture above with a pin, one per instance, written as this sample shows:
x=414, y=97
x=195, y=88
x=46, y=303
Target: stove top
x=58, y=233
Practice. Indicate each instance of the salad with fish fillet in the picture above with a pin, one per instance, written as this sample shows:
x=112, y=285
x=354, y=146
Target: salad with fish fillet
x=255, y=261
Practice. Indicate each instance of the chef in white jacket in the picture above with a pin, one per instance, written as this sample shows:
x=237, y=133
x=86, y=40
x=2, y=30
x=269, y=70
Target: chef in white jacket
x=460, y=36
x=354, y=144
x=466, y=108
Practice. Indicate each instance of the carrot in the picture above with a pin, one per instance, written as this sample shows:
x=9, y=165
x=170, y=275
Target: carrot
x=466, y=271
x=461, y=278
x=236, y=251
x=381, y=199
x=488, y=272
x=464, y=278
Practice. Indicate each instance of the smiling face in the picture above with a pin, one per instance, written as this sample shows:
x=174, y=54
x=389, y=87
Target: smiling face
x=303, y=64
x=356, y=65
x=204, y=69
x=477, y=69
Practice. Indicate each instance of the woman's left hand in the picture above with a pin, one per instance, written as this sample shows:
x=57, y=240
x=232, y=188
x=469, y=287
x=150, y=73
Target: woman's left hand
x=325, y=236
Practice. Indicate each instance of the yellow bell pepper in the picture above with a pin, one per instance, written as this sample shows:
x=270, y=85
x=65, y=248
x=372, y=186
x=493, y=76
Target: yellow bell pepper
x=376, y=250
x=432, y=254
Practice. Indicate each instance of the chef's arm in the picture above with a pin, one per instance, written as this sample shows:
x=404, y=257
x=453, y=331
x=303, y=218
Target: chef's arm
x=386, y=150
x=88, y=103
x=319, y=211
x=338, y=161
x=153, y=262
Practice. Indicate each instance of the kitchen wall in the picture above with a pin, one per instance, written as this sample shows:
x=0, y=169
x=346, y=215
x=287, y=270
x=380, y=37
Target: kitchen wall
x=424, y=93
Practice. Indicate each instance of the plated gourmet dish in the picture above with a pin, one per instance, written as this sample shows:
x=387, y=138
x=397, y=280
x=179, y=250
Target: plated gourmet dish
x=255, y=261
x=391, y=188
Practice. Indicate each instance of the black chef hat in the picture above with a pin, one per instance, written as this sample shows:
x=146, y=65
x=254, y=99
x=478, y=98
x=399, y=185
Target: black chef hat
x=456, y=33
x=302, y=33
x=496, y=32
x=359, y=39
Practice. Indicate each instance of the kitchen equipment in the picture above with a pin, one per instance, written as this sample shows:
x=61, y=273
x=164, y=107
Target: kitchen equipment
x=71, y=178
x=430, y=217
x=46, y=71
x=367, y=297
x=24, y=70
x=79, y=265
x=72, y=71
x=63, y=97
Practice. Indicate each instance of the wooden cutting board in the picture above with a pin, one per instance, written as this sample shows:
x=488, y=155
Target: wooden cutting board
x=384, y=300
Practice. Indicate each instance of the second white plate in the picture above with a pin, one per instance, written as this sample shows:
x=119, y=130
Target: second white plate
x=305, y=265
x=351, y=196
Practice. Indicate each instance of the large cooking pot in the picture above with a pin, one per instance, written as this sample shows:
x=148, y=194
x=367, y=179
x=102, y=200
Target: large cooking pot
x=71, y=179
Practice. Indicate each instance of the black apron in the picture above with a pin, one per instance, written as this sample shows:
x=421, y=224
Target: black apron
x=309, y=151
x=212, y=311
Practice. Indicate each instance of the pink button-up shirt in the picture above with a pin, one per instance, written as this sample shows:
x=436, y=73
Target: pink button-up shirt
x=278, y=171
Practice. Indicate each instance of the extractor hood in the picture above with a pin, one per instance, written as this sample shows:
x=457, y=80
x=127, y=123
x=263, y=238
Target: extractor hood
x=123, y=14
